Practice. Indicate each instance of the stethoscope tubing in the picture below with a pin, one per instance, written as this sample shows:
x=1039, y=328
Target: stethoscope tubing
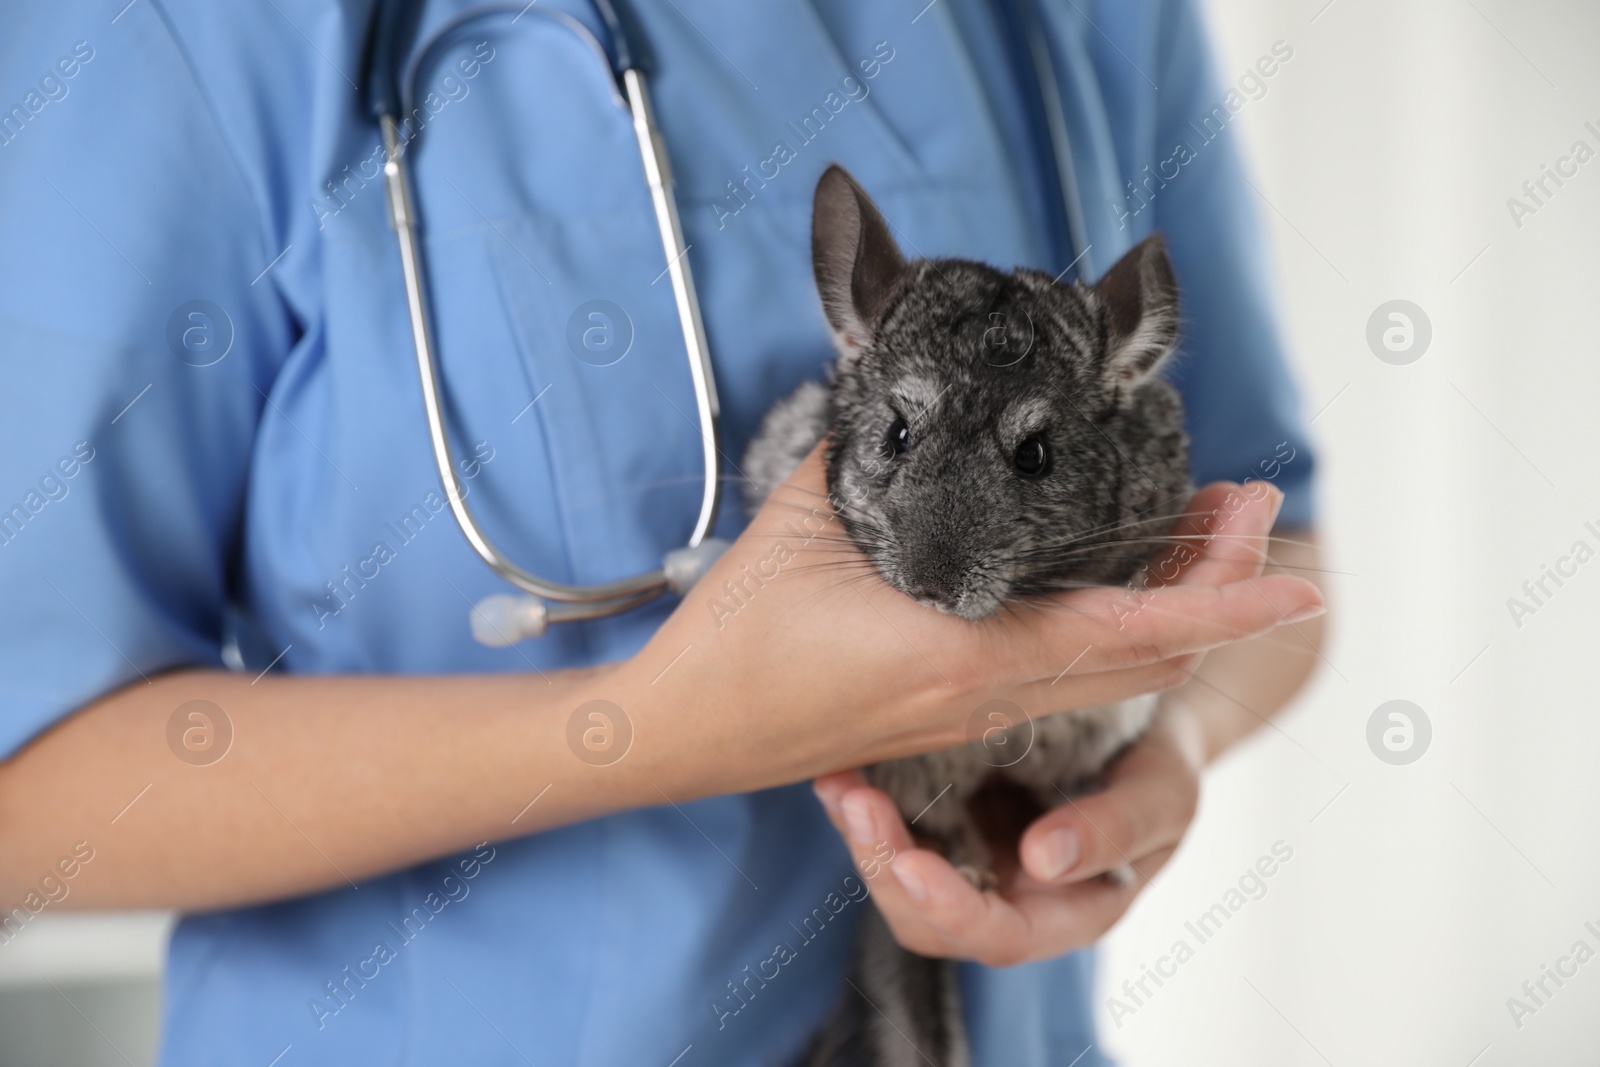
x=390, y=99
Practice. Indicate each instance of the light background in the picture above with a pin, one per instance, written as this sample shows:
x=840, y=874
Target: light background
x=1419, y=897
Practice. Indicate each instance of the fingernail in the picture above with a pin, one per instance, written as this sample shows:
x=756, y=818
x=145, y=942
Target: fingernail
x=1055, y=853
x=1309, y=612
x=915, y=888
x=1277, y=505
x=827, y=794
x=858, y=819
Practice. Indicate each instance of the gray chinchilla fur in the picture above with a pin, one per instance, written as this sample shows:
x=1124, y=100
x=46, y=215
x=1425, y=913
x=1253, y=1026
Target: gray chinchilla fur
x=997, y=437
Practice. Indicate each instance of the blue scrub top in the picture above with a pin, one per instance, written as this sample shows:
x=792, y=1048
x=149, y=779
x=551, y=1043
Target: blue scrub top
x=211, y=423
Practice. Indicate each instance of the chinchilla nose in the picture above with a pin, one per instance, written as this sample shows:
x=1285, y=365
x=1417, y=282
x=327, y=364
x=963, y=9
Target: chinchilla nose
x=936, y=578
x=934, y=598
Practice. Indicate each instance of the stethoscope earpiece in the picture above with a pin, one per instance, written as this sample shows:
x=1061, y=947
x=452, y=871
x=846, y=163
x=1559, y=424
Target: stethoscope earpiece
x=501, y=620
x=683, y=567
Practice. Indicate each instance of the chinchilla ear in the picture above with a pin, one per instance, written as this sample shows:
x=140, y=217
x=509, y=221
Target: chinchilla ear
x=1140, y=296
x=856, y=261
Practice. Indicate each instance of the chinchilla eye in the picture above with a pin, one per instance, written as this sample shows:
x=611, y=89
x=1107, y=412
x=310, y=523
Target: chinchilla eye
x=1032, y=457
x=898, y=439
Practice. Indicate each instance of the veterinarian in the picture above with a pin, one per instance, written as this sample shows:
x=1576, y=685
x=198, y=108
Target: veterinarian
x=236, y=667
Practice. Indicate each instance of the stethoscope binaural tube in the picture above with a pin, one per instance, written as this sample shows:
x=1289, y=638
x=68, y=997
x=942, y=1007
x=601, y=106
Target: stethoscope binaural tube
x=503, y=620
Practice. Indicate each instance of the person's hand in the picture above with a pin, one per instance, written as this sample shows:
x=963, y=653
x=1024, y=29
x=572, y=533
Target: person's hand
x=792, y=658
x=1056, y=900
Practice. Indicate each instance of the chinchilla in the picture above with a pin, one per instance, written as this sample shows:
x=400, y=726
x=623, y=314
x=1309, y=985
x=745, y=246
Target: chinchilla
x=993, y=437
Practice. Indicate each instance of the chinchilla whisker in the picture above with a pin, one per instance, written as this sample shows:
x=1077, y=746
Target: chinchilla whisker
x=1159, y=515
x=1276, y=539
x=815, y=539
x=1269, y=560
x=799, y=508
x=1173, y=540
x=849, y=582
x=837, y=564
x=1083, y=553
x=1133, y=539
x=1014, y=607
x=1169, y=540
x=1036, y=602
x=1156, y=514
x=1309, y=570
x=1268, y=636
x=1067, y=585
x=791, y=487
x=1234, y=537
x=1103, y=536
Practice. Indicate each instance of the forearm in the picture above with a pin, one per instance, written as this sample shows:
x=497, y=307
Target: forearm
x=1238, y=687
x=327, y=781
x=330, y=781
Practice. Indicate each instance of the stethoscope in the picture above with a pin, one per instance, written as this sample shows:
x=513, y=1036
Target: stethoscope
x=503, y=620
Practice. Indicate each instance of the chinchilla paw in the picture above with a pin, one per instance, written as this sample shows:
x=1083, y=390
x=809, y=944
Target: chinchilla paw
x=1120, y=877
x=981, y=877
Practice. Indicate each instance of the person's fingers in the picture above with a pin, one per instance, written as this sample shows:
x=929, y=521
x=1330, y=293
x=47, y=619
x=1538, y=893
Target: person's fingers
x=933, y=910
x=1189, y=534
x=1221, y=537
x=1030, y=922
x=1133, y=875
x=1072, y=690
x=880, y=842
x=1115, y=629
x=830, y=787
x=867, y=819
x=1147, y=805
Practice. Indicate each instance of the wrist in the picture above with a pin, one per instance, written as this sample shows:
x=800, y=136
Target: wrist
x=625, y=726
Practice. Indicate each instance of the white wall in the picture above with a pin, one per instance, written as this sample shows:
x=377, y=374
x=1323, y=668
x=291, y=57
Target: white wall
x=1424, y=895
